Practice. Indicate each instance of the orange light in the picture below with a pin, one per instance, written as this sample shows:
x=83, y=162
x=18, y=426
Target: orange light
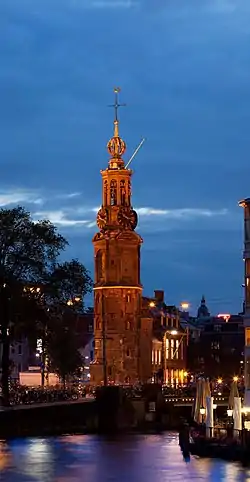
x=185, y=305
x=235, y=379
x=152, y=304
x=219, y=380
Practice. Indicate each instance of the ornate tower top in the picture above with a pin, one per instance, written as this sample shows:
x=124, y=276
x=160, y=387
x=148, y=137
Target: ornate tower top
x=116, y=145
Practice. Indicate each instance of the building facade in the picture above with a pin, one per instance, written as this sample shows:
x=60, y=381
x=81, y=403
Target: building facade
x=122, y=336
x=246, y=256
x=216, y=347
x=169, y=344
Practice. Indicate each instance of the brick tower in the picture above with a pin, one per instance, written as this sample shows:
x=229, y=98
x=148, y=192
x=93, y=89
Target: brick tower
x=117, y=288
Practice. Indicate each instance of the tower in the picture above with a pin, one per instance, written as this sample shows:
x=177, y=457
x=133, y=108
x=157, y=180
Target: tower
x=117, y=285
x=246, y=206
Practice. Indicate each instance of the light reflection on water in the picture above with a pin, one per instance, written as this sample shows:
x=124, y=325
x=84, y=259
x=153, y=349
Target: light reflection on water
x=142, y=458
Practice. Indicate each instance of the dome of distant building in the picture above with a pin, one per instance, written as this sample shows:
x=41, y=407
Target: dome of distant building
x=203, y=311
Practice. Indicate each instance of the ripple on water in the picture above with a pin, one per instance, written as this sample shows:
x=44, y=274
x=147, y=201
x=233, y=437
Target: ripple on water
x=134, y=458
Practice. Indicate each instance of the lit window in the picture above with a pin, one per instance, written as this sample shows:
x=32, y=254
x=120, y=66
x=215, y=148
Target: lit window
x=167, y=349
x=177, y=349
x=172, y=349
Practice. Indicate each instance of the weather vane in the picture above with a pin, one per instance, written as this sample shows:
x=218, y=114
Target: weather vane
x=116, y=105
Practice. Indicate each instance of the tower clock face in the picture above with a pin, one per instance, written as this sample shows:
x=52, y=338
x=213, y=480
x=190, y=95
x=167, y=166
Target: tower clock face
x=102, y=217
x=127, y=218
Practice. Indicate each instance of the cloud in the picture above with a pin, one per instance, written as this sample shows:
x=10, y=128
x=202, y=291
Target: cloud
x=60, y=218
x=69, y=196
x=12, y=197
x=185, y=213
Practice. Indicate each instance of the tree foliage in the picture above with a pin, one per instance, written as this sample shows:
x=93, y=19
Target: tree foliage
x=35, y=288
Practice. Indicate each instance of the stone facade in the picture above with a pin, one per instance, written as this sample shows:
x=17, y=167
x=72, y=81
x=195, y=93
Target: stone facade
x=122, y=336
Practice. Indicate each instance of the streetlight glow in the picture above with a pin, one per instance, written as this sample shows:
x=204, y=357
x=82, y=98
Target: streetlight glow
x=185, y=305
x=235, y=379
x=219, y=380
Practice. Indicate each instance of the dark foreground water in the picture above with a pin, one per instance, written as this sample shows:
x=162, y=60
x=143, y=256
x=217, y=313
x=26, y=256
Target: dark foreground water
x=149, y=458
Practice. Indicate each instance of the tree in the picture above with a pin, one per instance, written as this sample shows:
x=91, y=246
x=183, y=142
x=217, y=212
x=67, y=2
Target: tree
x=63, y=347
x=62, y=296
x=27, y=251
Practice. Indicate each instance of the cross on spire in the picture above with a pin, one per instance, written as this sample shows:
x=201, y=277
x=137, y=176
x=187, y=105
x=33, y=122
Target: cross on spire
x=116, y=105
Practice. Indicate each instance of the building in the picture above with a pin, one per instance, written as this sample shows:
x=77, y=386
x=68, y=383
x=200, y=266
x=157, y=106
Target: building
x=169, y=344
x=246, y=256
x=122, y=336
x=216, y=345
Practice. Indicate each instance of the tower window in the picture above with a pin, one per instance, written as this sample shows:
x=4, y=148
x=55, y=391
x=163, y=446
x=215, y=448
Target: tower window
x=128, y=325
x=128, y=298
x=113, y=192
x=123, y=192
x=128, y=352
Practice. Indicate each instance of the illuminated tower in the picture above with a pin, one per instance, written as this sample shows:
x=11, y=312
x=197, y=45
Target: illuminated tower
x=117, y=288
x=246, y=205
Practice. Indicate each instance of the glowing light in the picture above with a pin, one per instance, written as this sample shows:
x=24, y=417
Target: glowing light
x=174, y=332
x=185, y=374
x=152, y=304
x=185, y=305
x=219, y=380
x=202, y=411
x=229, y=412
x=235, y=379
x=225, y=316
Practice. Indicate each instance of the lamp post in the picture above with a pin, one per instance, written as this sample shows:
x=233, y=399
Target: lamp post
x=202, y=412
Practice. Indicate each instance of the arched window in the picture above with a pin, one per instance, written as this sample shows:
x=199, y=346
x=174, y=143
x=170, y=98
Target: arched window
x=105, y=193
x=113, y=192
x=123, y=192
x=99, y=265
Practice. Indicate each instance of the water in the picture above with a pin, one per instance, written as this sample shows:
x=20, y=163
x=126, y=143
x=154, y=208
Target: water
x=149, y=458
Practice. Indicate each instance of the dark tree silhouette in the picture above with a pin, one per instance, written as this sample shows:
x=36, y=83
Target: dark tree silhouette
x=35, y=289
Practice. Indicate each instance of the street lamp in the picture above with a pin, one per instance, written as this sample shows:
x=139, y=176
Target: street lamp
x=174, y=332
x=219, y=381
x=152, y=304
x=229, y=412
x=235, y=379
x=185, y=305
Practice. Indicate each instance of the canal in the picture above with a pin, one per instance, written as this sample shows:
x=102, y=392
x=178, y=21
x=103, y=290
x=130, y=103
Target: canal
x=134, y=458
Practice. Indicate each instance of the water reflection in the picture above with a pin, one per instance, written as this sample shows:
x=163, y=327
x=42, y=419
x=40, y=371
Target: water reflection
x=149, y=458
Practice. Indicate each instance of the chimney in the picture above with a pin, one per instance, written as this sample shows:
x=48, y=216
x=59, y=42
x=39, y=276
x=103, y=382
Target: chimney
x=159, y=296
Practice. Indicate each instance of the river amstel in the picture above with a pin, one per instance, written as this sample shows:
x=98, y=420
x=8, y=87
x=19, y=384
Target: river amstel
x=134, y=458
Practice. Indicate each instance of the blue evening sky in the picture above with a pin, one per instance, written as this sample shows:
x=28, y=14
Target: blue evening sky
x=184, y=70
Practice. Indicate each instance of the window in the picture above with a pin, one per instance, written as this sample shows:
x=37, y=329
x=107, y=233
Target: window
x=128, y=298
x=177, y=349
x=113, y=193
x=128, y=352
x=153, y=357
x=172, y=349
x=217, y=327
x=247, y=336
x=215, y=345
x=128, y=325
x=19, y=349
x=123, y=192
x=167, y=349
x=159, y=357
x=91, y=355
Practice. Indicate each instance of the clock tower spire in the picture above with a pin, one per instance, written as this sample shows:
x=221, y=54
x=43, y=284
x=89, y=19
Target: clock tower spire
x=117, y=288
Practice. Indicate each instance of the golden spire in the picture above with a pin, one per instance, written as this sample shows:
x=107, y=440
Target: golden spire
x=116, y=146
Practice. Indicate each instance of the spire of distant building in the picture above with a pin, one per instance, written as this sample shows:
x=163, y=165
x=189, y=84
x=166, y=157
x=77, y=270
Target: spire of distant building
x=116, y=145
x=203, y=310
